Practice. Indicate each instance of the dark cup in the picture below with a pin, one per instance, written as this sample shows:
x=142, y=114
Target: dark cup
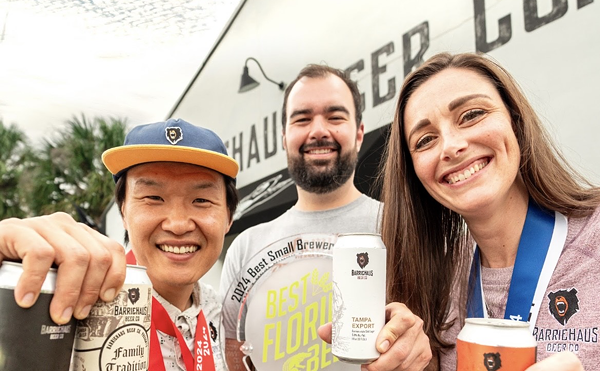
x=29, y=339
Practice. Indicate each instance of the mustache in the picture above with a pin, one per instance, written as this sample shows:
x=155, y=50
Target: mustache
x=319, y=144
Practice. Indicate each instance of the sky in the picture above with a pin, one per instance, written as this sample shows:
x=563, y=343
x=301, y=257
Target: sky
x=128, y=59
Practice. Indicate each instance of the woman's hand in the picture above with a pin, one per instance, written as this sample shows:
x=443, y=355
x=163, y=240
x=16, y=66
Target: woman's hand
x=563, y=361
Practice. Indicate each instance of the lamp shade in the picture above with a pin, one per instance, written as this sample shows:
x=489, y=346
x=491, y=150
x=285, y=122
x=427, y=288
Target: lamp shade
x=247, y=82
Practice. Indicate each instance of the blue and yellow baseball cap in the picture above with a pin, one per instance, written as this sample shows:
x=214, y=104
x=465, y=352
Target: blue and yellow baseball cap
x=174, y=140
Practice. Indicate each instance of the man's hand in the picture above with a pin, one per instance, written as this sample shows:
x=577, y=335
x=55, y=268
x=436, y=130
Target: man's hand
x=233, y=355
x=90, y=265
x=402, y=343
x=563, y=361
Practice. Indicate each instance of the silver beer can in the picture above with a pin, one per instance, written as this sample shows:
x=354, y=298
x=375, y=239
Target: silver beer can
x=116, y=335
x=29, y=339
x=358, y=313
x=495, y=344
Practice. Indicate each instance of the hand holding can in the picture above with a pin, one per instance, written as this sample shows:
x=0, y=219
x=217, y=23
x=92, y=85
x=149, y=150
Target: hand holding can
x=29, y=339
x=90, y=265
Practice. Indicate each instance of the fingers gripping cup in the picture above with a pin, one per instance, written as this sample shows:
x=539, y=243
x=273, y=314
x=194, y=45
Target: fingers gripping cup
x=29, y=339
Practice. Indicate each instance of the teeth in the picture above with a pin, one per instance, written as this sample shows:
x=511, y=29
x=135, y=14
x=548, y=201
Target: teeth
x=458, y=177
x=320, y=151
x=179, y=249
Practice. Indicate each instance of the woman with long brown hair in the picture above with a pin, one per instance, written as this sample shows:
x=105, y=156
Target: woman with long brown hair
x=484, y=218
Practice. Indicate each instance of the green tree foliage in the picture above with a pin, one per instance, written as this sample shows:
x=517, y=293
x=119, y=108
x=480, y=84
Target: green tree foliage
x=15, y=156
x=70, y=176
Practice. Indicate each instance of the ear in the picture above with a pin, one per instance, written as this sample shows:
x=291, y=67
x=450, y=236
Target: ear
x=123, y=216
x=283, y=140
x=360, y=135
x=229, y=225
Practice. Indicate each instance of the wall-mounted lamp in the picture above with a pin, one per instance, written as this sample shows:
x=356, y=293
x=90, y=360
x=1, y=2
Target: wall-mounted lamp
x=248, y=83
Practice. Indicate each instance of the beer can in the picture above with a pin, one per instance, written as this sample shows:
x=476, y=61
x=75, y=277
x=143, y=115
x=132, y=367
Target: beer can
x=115, y=335
x=29, y=339
x=358, y=313
x=490, y=344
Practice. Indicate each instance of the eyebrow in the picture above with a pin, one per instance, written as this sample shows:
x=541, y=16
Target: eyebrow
x=462, y=100
x=422, y=123
x=206, y=185
x=300, y=112
x=451, y=107
x=328, y=109
x=145, y=182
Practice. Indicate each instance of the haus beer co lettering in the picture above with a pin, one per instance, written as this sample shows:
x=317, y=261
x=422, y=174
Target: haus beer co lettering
x=261, y=142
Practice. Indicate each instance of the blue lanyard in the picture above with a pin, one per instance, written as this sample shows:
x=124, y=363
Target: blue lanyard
x=531, y=255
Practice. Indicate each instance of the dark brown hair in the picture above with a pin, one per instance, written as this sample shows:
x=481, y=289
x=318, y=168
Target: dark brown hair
x=319, y=71
x=429, y=247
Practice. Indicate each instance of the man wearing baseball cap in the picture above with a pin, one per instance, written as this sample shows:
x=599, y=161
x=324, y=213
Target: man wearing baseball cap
x=175, y=188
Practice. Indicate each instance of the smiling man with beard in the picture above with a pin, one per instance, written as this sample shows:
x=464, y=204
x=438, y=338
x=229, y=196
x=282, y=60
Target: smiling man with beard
x=312, y=179
x=322, y=135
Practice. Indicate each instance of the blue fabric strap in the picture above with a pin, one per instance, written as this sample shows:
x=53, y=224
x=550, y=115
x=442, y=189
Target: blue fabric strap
x=531, y=255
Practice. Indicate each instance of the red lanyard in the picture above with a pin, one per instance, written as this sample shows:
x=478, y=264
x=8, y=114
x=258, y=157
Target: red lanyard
x=204, y=360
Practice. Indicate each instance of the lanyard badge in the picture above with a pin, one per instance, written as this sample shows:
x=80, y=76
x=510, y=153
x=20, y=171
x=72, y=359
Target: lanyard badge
x=542, y=240
x=201, y=360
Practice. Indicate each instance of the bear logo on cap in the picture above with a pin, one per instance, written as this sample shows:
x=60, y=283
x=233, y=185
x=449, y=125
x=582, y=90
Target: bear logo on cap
x=174, y=134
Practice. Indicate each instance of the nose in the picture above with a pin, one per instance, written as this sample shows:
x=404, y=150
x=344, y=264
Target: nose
x=454, y=143
x=319, y=128
x=178, y=222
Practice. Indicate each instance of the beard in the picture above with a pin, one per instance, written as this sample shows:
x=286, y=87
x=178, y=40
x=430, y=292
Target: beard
x=322, y=176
